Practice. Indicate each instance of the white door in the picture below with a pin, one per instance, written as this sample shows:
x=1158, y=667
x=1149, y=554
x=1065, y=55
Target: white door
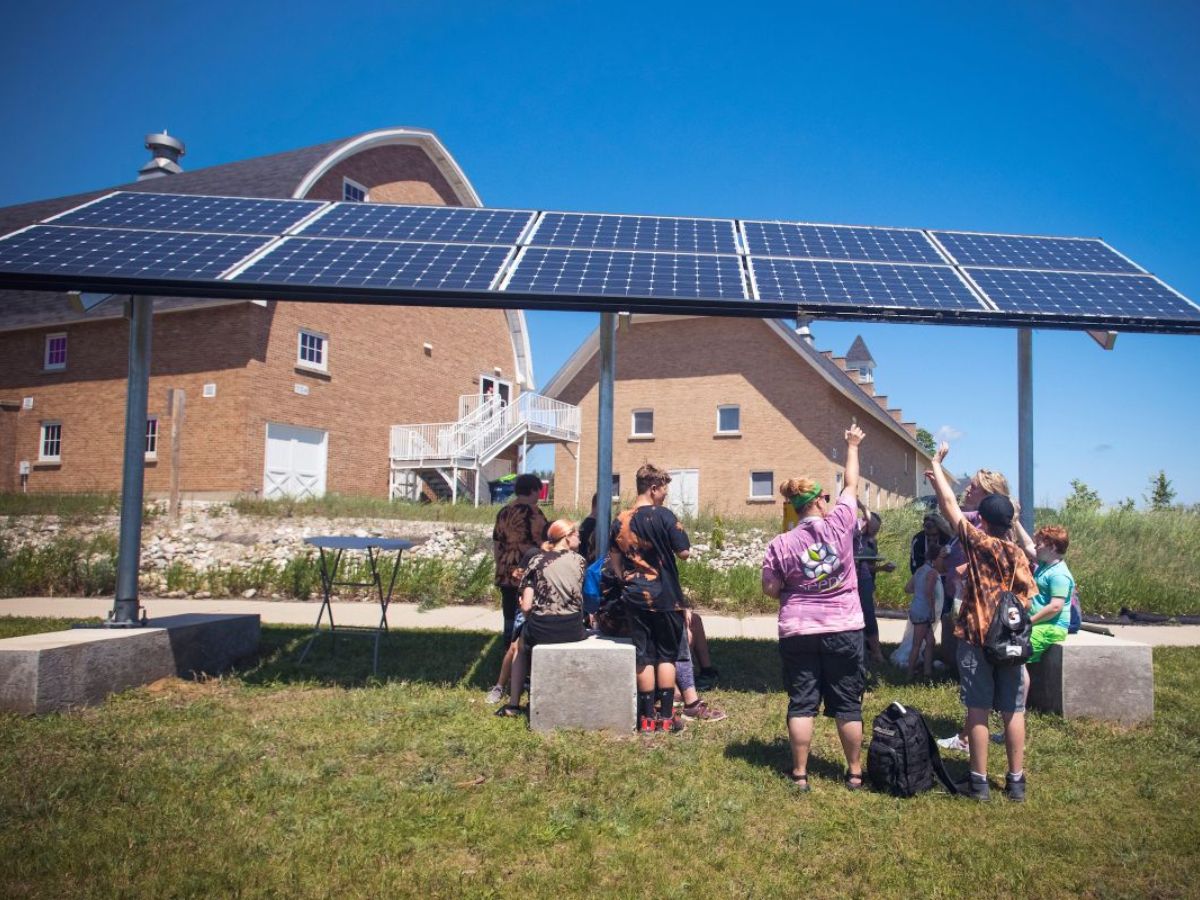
x=295, y=462
x=683, y=498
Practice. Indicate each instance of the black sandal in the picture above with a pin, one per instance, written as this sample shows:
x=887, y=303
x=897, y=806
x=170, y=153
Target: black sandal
x=509, y=712
x=854, y=781
x=800, y=781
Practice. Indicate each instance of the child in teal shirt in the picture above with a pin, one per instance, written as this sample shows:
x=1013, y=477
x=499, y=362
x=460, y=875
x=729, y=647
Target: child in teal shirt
x=1050, y=612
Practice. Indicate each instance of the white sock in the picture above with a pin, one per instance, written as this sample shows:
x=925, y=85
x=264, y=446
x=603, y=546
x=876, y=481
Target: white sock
x=982, y=776
x=1017, y=776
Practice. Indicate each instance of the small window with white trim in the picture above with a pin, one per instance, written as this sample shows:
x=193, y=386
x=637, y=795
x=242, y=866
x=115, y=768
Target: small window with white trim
x=313, y=350
x=51, y=443
x=729, y=419
x=152, y=437
x=762, y=485
x=353, y=192
x=55, y=359
x=642, y=424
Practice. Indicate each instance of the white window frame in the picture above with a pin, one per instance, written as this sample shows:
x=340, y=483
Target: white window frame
x=350, y=183
x=769, y=496
x=48, y=366
x=301, y=362
x=730, y=432
x=616, y=487
x=152, y=437
x=43, y=437
x=501, y=387
x=636, y=435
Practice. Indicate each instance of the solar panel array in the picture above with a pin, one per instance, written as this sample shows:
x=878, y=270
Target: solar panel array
x=303, y=249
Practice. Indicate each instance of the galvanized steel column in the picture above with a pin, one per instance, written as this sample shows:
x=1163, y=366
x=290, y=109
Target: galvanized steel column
x=1025, y=425
x=140, y=312
x=604, y=430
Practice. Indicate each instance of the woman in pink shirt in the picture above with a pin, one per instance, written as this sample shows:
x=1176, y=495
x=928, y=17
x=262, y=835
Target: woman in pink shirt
x=811, y=571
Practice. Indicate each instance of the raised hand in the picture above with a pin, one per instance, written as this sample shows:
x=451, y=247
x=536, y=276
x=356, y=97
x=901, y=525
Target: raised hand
x=941, y=453
x=854, y=435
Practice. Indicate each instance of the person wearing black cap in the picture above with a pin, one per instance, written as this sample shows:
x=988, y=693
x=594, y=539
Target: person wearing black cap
x=994, y=563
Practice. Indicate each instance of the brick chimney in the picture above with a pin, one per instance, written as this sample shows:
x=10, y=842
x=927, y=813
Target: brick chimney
x=165, y=160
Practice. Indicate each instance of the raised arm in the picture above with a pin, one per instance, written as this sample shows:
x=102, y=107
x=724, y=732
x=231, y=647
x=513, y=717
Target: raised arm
x=947, y=502
x=854, y=436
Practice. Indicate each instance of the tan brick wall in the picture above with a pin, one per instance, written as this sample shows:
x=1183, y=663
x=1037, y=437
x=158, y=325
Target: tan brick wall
x=188, y=350
x=792, y=419
x=378, y=375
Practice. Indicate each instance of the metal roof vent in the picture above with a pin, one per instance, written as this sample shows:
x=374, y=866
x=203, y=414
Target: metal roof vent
x=167, y=151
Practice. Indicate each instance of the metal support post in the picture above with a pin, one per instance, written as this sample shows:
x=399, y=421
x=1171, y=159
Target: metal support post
x=140, y=312
x=1025, y=425
x=604, y=430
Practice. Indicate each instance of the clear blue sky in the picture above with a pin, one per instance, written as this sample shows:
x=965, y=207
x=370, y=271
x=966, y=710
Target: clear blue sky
x=1075, y=118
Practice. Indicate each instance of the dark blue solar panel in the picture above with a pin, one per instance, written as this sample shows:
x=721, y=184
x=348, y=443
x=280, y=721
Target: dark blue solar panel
x=1080, y=293
x=862, y=284
x=849, y=242
x=67, y=250
x=183, y=212
x=437, y=224
x=601, y=232
x=1015, y=252
x=621, y=273
x=382, y=264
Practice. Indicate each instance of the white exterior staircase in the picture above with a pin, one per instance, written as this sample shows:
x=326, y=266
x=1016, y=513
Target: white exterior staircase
x=449, y=457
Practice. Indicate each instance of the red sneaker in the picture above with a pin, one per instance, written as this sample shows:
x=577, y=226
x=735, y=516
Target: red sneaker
x=647, y=725
x=673, y=725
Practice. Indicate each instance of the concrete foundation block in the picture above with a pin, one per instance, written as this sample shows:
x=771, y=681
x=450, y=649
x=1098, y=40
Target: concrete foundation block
x=1095, y=677
x=42, y=673
x=589, y=684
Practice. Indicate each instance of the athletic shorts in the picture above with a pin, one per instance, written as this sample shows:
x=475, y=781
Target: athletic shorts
x=564, y=629
x=828, y=667
x=920, y=616
x=984, y=686
x=656, y=635
x=1044, y=637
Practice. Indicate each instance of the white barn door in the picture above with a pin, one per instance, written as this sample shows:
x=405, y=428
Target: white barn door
x=683, y=498
x=295, y=462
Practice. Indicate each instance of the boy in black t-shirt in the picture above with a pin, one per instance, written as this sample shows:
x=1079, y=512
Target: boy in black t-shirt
x=644, y=543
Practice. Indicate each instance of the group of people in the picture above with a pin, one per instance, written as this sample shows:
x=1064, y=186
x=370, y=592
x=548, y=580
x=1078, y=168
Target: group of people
x=540, y=572
x=961, y=564
x=822, y=573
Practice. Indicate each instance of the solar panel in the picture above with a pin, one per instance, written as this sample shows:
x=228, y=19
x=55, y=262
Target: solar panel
x=848, y=242
x=184, y=212
x=382, y=264
x=1081, y=293
x=438, y=224
x=651, y=233
x=1016, y=252
x=812, y=282
x=623, y=273
x=89, y=252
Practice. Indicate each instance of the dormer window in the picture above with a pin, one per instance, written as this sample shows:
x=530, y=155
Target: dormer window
x=353, y=192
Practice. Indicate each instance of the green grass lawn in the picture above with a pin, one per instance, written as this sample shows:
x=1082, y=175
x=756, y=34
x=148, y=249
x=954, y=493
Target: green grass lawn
x=323, y=781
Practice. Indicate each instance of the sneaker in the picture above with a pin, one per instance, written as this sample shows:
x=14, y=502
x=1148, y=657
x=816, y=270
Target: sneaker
x=975, y=788
x=1014, y=787
x=495, y=695
x=702, y=712
x=996, y=737
x=673, y=725
x=706, y=679
x=647, y=725
x=954, y=743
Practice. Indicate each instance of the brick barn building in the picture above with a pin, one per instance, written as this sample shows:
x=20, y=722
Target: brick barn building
x=281, y=398
x=733, y=407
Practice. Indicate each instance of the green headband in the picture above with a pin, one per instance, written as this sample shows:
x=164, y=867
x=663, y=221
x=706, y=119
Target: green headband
x=802, y=500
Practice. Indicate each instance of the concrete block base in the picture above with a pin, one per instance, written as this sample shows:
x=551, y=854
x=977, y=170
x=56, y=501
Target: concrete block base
x=590, y=684
x=1095, y=677
x=42, y=673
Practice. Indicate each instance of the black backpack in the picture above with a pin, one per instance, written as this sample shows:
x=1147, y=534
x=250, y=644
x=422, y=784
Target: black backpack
x=903, y=757
x=1008, y=638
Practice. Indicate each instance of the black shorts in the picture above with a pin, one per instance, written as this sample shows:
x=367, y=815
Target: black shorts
x=825, y=667
x=656, y=635
x=564, y=629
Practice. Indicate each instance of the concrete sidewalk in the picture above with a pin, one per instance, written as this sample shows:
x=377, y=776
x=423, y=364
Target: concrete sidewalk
x=475, y=618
